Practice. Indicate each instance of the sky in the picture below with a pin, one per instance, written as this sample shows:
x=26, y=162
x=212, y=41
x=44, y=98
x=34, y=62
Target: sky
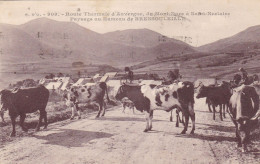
x=200, y=29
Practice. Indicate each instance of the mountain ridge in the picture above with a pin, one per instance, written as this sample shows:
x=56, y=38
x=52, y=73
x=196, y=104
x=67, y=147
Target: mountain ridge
x=249, y=35
x=70, y=40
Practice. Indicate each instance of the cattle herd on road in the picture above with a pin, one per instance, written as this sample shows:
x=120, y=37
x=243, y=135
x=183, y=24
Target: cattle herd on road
x=240, y=102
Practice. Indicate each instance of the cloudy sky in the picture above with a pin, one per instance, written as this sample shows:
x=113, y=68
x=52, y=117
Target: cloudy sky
x=201, y=29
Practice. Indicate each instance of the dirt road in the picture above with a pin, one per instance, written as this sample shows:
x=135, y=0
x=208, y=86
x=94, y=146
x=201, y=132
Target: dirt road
x=119, y=138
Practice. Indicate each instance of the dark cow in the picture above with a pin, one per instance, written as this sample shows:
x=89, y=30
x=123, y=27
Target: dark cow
x=24, y=101
x=87, y=94
x=243, y=112
x=216, y=95
x=147, y=98
x=211, y=104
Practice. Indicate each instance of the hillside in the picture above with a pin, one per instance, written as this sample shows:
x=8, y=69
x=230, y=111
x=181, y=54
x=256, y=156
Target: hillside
x=70, y=42
x=17, y=44
x=248, y=39
x=141, y=38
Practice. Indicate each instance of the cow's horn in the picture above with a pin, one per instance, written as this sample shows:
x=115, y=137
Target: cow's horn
x=256, y=116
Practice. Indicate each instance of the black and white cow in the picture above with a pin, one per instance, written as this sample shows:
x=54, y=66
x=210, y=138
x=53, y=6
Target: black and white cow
x=244, y=112
x=148, y=98
x=87, y=94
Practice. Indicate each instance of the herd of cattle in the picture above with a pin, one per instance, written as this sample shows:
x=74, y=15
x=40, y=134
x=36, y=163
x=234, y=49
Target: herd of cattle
x=240, y=102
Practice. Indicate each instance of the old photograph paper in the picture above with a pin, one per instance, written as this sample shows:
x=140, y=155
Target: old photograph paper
x=130, y=81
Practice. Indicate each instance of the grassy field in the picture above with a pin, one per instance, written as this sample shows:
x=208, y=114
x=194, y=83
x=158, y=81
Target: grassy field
x=220, y=66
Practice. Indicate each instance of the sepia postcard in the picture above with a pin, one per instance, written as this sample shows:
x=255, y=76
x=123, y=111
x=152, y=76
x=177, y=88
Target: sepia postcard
x=82, y=81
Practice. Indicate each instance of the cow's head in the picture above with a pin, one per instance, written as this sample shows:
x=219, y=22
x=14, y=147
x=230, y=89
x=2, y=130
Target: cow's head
x=5, y=100
x=70, y=95
x=228, y=86
x=121, y=93
x=244, y=124
x=186, y=91
x=202, y=92
x=237, y=78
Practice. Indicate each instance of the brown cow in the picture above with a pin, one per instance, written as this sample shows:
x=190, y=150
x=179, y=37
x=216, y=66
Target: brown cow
x=215, y=95
x=244, y=113
x=24, y=101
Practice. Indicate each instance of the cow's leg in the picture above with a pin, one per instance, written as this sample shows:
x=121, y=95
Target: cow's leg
x=133, y=109
x=72, y=112
x=192, y=116
x=45, y=119
x=13, y=117
x=150, y=120
x=40, y=121
x=177, y=118
x=104, y=109
x=181, y=118
x=214, y=112
x=186, y=122
x=2, y=115
x=244, y=138
x=22, y=118
x=209, y=108
x=220, y=112
x=78, y=111
x=100, y=109
x=171, y=116
x=123, y=108
x=224, y=108
x=147, y=116
x=239, y=144
x=79, y=114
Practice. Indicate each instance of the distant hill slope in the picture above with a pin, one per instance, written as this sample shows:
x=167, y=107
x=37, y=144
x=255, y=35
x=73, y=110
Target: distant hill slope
x=17, y=44
x=156, y=45
x=68, y=41
x=247, y=39
x=140, y=38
